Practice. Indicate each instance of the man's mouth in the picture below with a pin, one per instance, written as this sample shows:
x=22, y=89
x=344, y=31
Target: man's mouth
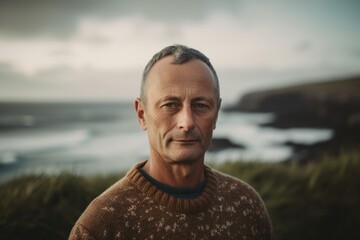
x=186, y=140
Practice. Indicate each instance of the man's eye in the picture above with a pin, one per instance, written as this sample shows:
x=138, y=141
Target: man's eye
x=200, y=106
x=171, y=105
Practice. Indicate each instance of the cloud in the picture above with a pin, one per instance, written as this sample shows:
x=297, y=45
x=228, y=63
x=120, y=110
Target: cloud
x=303, y=46
x=8, y=73
x=64, y=83
x=60, y=19
x=14, y=85
x=97, y=49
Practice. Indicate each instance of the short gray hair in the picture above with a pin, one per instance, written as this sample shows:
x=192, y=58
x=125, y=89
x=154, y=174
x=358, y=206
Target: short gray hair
x=182, y=54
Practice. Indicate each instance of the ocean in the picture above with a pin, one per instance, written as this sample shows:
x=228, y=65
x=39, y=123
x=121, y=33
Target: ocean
x=103, y=138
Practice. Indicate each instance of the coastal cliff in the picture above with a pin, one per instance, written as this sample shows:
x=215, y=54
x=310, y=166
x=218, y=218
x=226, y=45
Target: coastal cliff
x=330, y=104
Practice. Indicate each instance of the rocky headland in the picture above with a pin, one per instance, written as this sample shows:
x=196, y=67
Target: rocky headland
x=333, y=104
x=218, y=144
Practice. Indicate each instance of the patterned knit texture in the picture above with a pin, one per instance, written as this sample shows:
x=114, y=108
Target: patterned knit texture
x=133, y=208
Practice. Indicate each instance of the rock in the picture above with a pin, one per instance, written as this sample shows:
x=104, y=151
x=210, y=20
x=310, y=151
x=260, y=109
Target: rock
x=219, y=144
x=331, y=104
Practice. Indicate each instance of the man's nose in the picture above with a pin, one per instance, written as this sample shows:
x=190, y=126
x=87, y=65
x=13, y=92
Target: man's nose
x=186, y=119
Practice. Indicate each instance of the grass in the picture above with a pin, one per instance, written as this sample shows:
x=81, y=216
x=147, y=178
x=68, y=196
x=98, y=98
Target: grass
x=319, y=200
x=45, y=207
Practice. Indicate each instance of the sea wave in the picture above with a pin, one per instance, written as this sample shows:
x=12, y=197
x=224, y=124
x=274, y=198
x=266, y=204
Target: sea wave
x=11, y=145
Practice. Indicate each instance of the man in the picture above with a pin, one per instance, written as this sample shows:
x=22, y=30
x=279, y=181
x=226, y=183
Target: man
x=174, y=195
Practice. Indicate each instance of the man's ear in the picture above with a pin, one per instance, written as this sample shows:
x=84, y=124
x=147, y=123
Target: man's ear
x=217, y=114
x=140, y=112
x=219, y=103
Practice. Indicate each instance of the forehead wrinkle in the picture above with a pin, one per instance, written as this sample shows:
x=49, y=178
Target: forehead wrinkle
x=177, y=98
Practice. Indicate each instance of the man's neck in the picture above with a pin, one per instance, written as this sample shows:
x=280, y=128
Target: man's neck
x=179, y=175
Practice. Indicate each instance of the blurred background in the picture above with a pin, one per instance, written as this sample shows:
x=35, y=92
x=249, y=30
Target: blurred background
x=289, y=124
x=69, y=72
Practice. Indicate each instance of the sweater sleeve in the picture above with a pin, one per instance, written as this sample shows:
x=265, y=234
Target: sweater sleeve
x=267, y=225
x=79, y=232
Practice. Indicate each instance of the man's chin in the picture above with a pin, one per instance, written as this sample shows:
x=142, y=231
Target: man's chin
x=187, y=157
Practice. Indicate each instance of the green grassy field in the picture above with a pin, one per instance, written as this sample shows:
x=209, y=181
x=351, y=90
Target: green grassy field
x=319, y=200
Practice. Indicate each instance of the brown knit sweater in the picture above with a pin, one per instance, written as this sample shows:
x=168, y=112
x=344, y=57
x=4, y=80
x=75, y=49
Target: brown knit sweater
x=133, y=208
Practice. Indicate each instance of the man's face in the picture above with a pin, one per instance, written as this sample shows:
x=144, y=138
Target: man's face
x=181, y=110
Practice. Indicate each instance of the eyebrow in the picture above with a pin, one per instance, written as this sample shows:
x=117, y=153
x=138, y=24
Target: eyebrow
x=202, y=99
x=168, y=98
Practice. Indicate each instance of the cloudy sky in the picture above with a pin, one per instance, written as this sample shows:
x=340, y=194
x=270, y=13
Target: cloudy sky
x=54, y=50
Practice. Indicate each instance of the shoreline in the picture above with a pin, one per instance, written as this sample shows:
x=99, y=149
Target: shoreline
x=331, y=104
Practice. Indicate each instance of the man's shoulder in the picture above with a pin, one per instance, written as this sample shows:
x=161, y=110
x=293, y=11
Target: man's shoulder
x=230, y=185
x=115, y=196
x=108, y=206
x=118, y=189
x=227, y=179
